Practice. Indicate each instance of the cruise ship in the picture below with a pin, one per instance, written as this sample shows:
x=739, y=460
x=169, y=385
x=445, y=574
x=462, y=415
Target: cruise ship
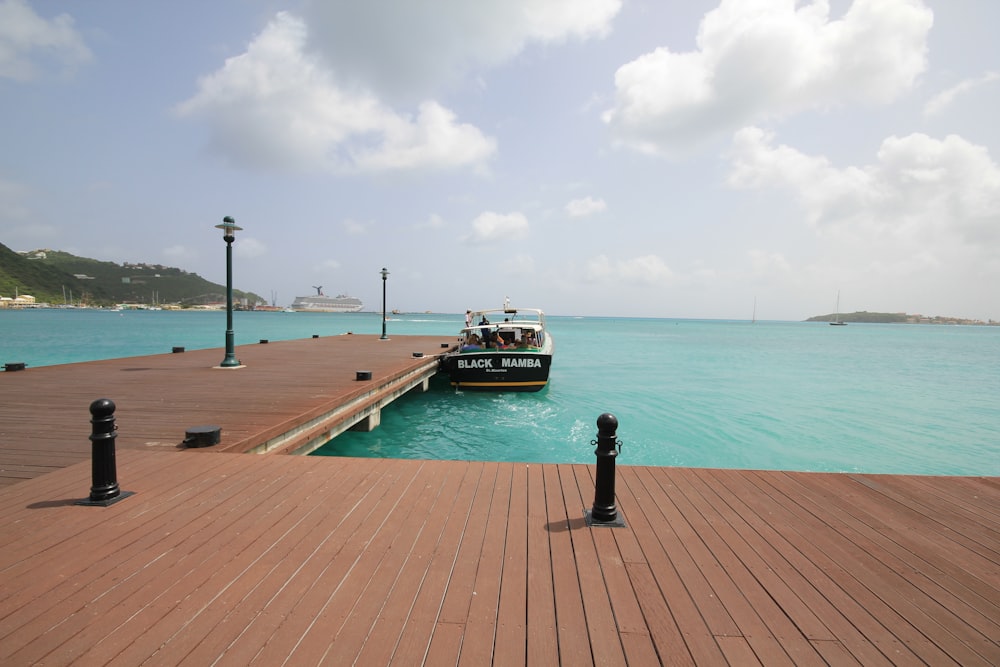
x=320, y=303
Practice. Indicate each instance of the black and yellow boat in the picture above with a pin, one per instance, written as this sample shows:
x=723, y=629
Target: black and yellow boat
x=501, y=349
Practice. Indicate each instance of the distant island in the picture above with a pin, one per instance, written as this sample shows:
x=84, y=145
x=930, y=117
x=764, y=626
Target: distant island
x=898, y=318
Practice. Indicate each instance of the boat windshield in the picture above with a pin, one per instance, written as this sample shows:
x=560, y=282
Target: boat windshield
x=502, y=335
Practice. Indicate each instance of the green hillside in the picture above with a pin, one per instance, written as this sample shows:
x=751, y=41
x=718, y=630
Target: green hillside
x=880, y=318
x=895, y=318
x=52, y=276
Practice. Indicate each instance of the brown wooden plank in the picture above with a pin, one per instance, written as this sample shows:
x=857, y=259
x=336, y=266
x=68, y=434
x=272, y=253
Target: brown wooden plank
x=674, y=612
x=174, y=604
x=835, y=653
x=766, y=496
x=274, y=567
x=446, y=645
x=565, y=515
x=454, y=613
x=300, y=606
x=159, y=396
x=768, y=591
x=104, y=558
x=511, y=639
x=254, y=559
x=682, y=544
x=255, y=553
x=398, y=608
x=605, y=643
x=141, y=571
x=347, y=623
x=542, y=647
x=931, y=521
x=480, y=629
x=766, y=532
x=923, y=602
x=777, y=574
x=855, y=571
x=738, y=651
x=748, y=604
x=87, y=530
x=414, y=643
x=667, y=641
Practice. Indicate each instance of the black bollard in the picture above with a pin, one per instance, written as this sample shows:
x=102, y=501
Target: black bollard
x=604, y=512
x=104, y=490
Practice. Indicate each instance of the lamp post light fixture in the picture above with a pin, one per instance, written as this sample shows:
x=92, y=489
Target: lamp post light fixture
x=229, y=229
x=385, y=274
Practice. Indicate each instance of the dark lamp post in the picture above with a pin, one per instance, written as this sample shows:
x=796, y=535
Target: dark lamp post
x=229, y=229
x=385, y=274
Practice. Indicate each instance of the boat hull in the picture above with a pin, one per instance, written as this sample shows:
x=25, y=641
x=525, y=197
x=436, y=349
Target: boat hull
x=497, y=370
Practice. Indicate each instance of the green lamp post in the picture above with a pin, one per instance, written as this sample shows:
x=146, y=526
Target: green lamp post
x=385, y=274
x=229, y=229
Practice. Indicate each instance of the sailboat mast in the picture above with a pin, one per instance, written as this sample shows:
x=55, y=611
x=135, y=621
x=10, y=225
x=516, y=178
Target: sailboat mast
x=836, y=317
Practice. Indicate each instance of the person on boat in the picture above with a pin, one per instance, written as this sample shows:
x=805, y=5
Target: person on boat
x=507, y=331
x=473, y=343
x=468, y=319
x=485, y=331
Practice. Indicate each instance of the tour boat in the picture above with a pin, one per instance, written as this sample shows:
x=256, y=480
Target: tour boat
x=501, y=349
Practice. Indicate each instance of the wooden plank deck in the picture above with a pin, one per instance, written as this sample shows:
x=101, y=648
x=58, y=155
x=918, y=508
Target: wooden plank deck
x=237, y=560
x=294, y=388
x=223, y=559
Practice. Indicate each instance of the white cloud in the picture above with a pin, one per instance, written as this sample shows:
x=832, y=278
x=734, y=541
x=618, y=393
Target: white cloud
x=178, y=254
x=579, y=208
x=945, y=98
x=433, y=140
x=922, y=196
x=278, y=106
x=355, y=227
x=249, y=248
x=766, y=263
x=29, y=42
x=760, y=59
x=432, y=43
x=433, y=221
x=646, y=270
x=23, y=228
x=490, y=227
x=12, y=202
x=518, y=265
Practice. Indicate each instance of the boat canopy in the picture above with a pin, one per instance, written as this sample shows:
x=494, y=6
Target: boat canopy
x=498, y=318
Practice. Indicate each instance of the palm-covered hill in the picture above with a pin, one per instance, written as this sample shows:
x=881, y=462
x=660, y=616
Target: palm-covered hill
x=894, y=318
x=51, y=276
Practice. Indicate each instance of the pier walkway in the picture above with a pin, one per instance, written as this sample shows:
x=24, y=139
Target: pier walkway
x=291, y=397
x=230, y=559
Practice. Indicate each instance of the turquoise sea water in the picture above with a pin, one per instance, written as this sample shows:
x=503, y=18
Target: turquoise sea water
x=770, y=395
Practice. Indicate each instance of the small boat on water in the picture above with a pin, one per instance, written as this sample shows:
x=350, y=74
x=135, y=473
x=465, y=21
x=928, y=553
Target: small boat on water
x=501, y=349
x=837, y=322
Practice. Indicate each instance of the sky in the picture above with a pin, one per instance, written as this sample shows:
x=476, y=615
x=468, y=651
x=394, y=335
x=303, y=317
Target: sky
x=625, y=158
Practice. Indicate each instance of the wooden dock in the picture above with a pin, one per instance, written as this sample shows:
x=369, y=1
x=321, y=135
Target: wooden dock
x=231, y=559
x=291, y=397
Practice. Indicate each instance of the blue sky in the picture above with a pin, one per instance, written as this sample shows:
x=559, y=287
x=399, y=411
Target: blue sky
x=587, y=157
